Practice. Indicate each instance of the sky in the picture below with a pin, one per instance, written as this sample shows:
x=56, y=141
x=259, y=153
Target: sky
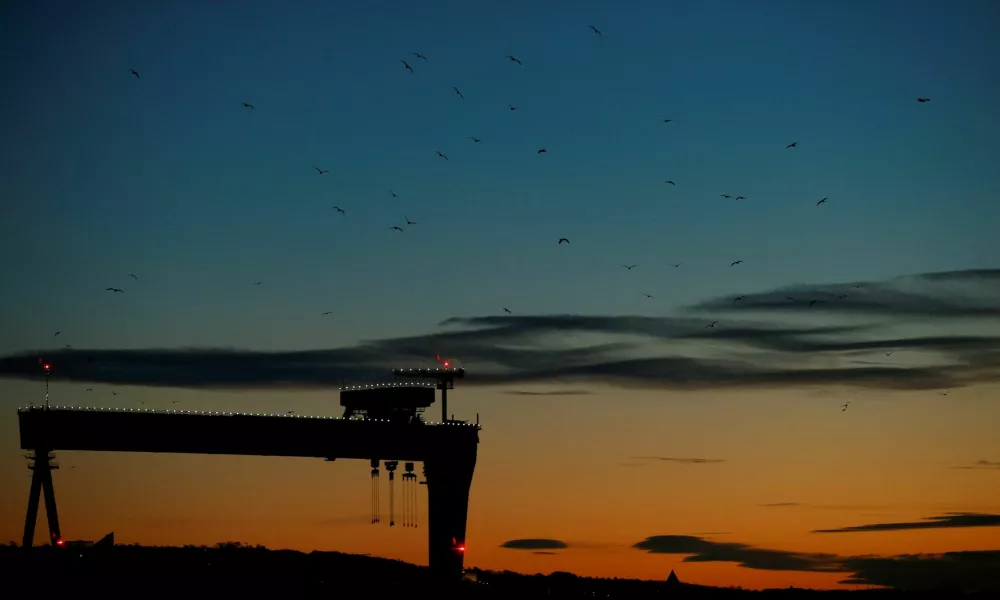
x=588, y=382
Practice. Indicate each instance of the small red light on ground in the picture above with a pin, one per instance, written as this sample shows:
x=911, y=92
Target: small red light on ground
x=46, y=366
x=59, y=542
x=446, y=364
x=461, y=548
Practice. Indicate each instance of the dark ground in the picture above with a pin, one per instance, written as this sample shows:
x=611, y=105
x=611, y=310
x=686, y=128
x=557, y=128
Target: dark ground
x=236, y=571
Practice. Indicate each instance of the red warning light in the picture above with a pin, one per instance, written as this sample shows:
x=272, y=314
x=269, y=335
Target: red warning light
x=46, y=366
x=460, y=548
x=447, y=364
x=60, y=542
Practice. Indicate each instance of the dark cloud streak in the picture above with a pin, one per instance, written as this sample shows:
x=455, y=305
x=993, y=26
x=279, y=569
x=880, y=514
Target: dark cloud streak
x=946, y=521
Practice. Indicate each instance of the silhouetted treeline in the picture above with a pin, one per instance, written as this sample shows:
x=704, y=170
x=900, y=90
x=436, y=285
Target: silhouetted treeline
x=233, y=570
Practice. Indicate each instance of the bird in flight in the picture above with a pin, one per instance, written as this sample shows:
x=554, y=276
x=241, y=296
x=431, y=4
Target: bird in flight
x=670, y=182
x=136, y=73
x=340, y=210
x=712, y=324
x=512, y=107
x=738, y=298
x=736, y=262
x=841, y=296
x=133, y=276
x=630, y=267
x=396, y=227
x=944, y=393
x=792, y=145
x=258, y=282
x=458, y=92
x=821, y=202
x=406, y=65
x=475, y=139
x=56, y=333
x=248, y=105
x=507, y=310
x=542, y=151
x=596, y=30
x=811, y=302
x=844, y=407
x=513, y=59
x=442, y=155
x=727, y=196
x=857, y=287
x=90, y=389
x=112, y=289
x=675, y=265
x=321, y=171
x=408, y=221
x=420, y=56
x=667, y=120
x=394, y=193
x=646, y=295
x=887, y=353
x=918, y=99
x=329, y=312
x=741, y=197
x=561, y=240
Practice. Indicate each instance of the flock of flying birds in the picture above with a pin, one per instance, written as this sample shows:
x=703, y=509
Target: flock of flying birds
x=562, y=240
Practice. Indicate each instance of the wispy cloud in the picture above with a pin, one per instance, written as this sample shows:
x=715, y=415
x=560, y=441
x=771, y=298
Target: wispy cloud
x=947, y=521
x=535, y=544
x=970, y=570
x=695, y=461
x=780, y=504
x=652, y=352
x=550, y=393
x=992, y=465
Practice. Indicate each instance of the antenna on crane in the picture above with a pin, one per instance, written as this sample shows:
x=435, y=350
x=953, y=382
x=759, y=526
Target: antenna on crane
x=445, y=375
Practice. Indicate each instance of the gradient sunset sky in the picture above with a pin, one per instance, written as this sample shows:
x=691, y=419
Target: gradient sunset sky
x=621, y=436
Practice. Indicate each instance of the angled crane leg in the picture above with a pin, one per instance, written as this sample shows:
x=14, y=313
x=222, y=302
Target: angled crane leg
x=32, y=517
x=50, y=506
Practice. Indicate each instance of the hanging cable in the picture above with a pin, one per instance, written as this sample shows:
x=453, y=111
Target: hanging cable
x=375, y=502
x=390, y=466
x=409, y=488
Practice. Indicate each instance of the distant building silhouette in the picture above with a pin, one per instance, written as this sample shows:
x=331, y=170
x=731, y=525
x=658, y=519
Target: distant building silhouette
x=672, y=579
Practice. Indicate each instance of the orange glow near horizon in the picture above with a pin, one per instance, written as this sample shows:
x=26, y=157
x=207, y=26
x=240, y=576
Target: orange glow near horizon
x=563, y=468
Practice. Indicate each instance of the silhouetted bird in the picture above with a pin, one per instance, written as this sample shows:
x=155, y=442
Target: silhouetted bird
x=811, y=302
x=475, y=139
x=458, y=92
x=841, y=296
x=397, y=228
x=670, y=182
x=675, y=265
x=69, y=347
x=792, y=145
x=136, y=73
x=420, y=56
x=667, y=120
x=133, y=276
x=507, y=310
x=727, y=196
x=408, y=221
x=918, y=99
x=857, y=287
x=821, y=202
x=512, y=107
x=340, y=210
x=712, y=324
x=646, y=295
x=90, y=389
x=329, y=312
x=741, y=197
x=248, y=105
x=738, y=298
x=513, y=59
x=736, y=262
x=394, y=193
x=56, y=333
x=944, y=393
x=844, y=407
x=887, y=353
x=561, y=240
x=406, y=65
x=596, y=30
x=542, y=151
x=321, y=171
x=111, y=289
x=258, y=282
x=442, y=155
x=630, y=267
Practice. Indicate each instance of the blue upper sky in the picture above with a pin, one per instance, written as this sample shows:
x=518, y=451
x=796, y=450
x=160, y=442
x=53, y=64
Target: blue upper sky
x=171, y=178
